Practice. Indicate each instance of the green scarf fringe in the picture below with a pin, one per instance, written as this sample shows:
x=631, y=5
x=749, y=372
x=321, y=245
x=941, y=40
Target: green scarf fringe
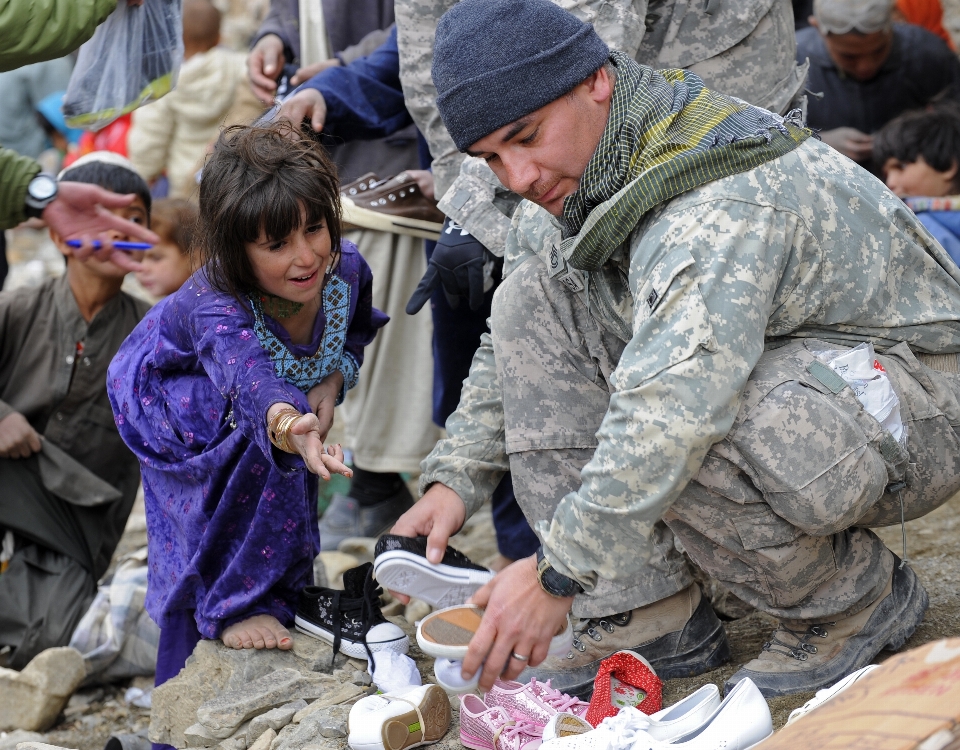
x=666, y=134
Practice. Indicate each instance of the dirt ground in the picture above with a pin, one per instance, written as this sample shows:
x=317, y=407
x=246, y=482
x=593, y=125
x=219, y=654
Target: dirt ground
x=933, y=545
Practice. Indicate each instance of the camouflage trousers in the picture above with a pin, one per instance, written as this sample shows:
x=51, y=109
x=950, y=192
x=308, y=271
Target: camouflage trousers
x=781, y=508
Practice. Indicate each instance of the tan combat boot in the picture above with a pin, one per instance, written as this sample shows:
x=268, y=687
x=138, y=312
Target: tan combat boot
x=680, y=636
x=802, y=657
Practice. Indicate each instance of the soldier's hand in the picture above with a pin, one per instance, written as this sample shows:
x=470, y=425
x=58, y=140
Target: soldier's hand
x=264, y=66
x=17, y=438
x=850, y=142
x=457, y=266
x=438, y=515
x=520, y=618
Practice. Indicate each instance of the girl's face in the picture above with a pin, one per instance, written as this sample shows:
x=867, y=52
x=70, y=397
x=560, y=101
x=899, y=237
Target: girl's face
x=294, y=267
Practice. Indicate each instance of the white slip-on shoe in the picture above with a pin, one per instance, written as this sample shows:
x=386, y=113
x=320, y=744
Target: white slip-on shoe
x=698, y=722
x=826, y=694
x=741, y=721
x=419, y=716
x=664, y=726
x=401, y=565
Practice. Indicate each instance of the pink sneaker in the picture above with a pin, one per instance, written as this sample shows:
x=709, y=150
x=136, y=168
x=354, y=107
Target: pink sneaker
x=536, y=701
x=486, y=728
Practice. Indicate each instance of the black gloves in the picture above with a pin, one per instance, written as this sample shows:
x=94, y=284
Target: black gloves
x=457, y=265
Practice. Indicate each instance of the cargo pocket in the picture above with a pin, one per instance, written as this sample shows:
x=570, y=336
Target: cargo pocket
x=820, y=460
x=784, y=556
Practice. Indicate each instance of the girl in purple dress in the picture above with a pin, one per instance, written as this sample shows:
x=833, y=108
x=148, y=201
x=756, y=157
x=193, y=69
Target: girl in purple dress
x=225, y=392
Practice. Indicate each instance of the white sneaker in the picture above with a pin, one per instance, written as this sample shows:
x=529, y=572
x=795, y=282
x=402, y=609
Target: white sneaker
x=419, y=716
x=826, y=694
x=698, y=722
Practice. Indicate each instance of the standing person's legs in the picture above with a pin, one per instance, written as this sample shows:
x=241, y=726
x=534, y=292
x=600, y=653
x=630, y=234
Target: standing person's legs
x=178, y=638
x=779, y=509
x=554, y=362
x=387, y=414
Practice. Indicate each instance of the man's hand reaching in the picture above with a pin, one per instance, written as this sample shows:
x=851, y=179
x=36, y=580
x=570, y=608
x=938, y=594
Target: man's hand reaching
x=438, y=515
x=82, y=212
x=306, y=104
x=520, y=618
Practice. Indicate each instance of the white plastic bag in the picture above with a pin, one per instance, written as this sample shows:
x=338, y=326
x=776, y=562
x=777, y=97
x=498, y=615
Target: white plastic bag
x=133, y=57
x=862, y=371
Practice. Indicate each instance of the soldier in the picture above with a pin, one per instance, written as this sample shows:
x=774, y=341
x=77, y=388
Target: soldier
x=744, y=48
x=684, y=270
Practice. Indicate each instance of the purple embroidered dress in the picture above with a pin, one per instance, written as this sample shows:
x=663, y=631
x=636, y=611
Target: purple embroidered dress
x=231, y=521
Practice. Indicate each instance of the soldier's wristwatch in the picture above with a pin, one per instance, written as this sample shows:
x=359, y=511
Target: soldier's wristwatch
x=553, y=582
x=41, y=192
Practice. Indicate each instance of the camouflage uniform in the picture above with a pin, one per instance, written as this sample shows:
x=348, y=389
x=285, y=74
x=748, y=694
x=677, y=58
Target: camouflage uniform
x=683, y=378
x=740, y=47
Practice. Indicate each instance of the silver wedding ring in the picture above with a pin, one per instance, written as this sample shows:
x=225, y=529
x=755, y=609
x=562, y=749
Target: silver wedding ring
x=517, y=656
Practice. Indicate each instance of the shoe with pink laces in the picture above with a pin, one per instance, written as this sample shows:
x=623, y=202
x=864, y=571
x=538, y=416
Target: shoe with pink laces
x=491, y=728
x=535, y=701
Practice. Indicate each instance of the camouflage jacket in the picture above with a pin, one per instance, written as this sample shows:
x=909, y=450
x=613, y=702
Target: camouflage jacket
x=807, y=245
x=744, y=48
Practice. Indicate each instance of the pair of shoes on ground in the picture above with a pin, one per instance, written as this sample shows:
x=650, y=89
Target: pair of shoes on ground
x=350, y=620
x=395, y=204
x=512, y=716
x=345, y=518
x=701, y=721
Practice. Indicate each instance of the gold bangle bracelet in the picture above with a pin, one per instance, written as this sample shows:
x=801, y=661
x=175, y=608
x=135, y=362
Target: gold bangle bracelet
x=279, y=427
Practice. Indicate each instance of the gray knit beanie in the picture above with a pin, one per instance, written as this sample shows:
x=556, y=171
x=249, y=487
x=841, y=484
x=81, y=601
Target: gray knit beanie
x=497, y=60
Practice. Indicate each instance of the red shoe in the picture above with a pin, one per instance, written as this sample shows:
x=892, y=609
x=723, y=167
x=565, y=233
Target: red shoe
x=624, y=679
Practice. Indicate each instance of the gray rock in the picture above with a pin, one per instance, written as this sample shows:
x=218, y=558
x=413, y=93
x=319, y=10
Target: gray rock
x=416, y=610
x=197, y=735
x=38, y=746
x=329, y=722
x=264, y=740
x=33, y=697
x=14, y=738
x=214, y=669
x=343, y=693
x=361, y=678
x=223, y=714
x=361, y=547
x=275, y=719
x=233, y=743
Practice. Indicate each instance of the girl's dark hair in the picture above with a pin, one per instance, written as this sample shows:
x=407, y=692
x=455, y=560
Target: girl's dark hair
x=175, y=220
x=267, y=179
x=110, y=177
x=933, y=134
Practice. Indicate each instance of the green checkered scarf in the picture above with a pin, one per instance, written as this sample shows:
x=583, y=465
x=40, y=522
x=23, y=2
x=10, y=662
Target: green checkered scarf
x=666, y=134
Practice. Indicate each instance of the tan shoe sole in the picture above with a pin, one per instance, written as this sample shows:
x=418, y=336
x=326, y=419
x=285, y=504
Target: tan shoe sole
x=405, y=730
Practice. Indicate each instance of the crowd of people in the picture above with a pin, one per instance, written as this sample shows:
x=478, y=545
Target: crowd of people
x=646, y=233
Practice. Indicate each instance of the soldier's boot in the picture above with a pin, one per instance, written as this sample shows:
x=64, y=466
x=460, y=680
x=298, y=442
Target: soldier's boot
x=803, y=657
x=680, y=636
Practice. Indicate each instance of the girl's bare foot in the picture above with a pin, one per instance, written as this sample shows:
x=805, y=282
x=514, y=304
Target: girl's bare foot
x=259, y=631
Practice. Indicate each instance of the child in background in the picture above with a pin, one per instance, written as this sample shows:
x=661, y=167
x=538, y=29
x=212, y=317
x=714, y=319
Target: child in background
x=226, y=391
x=168, y=264
x=56, y=342
x=171, y=135
x=919, y=155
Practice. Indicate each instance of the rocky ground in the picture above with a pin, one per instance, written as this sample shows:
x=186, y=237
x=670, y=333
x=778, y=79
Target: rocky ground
x=92, y=715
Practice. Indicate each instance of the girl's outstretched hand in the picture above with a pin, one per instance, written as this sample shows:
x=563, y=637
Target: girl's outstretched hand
x=305, y=438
